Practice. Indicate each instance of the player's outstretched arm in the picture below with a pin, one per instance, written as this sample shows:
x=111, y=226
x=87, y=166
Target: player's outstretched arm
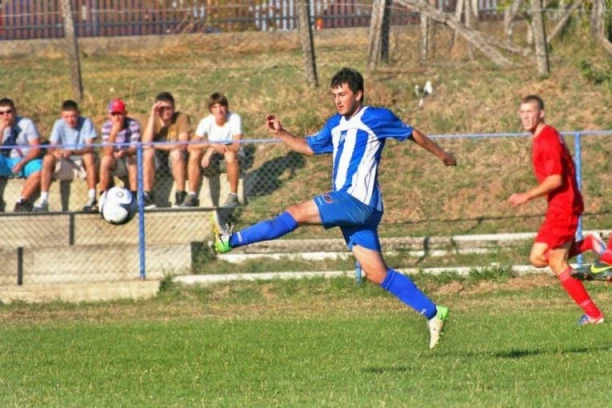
x=426, y=143
x=295, y=143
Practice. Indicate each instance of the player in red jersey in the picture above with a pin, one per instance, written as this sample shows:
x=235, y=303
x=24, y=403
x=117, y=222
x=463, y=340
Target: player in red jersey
x=555, y=243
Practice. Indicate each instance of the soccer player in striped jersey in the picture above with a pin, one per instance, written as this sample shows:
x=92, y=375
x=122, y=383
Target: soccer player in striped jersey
x=556, y=175
x=355, y=136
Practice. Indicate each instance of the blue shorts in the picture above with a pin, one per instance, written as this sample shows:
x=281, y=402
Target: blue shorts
x=357, y=221
x=6, y=167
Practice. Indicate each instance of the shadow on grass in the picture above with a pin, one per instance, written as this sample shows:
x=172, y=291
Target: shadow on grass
x=383, y=370
x=520, y=353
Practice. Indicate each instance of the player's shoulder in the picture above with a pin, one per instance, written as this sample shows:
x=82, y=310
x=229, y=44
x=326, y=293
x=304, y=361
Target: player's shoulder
x=206, y=120
x=333, y=121
x=24, y=122
x=377, y=113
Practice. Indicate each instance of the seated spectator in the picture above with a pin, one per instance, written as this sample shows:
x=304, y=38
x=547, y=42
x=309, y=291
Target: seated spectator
x=118, y=160
x=70, y=155
x=223, y=130
x=21, y=161
x=165, y=125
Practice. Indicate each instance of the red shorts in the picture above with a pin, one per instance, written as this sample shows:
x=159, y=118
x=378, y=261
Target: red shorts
x=558, y=229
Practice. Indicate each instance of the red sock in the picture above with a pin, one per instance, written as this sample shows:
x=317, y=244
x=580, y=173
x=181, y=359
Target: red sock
x=576, y=290
x=606, y=256
x=579, y=247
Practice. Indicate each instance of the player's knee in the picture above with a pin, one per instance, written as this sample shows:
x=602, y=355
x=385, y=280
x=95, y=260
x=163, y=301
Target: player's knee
x=230, y=157
x=176, y=155
x=537, y=260
x=375, y=276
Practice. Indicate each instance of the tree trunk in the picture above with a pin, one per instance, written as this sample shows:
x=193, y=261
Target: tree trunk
x=539, y=36
x=468, y=24
x=472, y=36
x=307, y=41
x=386, y=32
x=509, y=17
x=563, y=21
x=376, y=33
x=597, y=18
x=458, y=13
x=424, y=37
x=72, y=51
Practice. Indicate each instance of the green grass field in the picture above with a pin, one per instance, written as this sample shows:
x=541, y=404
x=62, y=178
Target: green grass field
x=509, y=342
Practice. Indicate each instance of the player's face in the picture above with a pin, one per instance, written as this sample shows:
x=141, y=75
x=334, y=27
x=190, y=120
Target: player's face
x=219, y=112
x=531, y=116
x=7, y=115
x=166, y=110
x=117, y=117
x=71, y=118
x=347, y=102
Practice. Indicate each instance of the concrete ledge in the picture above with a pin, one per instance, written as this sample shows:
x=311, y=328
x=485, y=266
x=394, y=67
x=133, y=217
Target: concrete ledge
x=205, y=280
x=171, y=227
x=94, y=263
x=80, y=292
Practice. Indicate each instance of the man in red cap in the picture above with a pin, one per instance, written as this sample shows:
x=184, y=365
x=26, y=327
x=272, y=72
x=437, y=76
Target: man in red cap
x=120, y=135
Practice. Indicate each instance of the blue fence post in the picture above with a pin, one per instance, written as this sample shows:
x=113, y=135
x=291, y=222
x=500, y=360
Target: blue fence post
x=141, y=218
x=578, y=161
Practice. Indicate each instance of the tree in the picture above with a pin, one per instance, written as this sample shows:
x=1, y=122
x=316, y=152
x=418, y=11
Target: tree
x=72, y=51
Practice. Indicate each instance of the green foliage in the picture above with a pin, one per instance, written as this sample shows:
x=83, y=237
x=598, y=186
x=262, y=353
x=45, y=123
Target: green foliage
x=594, y=75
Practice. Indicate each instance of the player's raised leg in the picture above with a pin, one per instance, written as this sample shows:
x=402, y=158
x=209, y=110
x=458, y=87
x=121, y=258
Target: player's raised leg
x=295, y=215
x=600, y=270
x=376, y=271
x=557, y=260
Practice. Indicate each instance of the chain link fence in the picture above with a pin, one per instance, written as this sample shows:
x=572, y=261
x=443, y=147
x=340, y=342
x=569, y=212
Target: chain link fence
x=253, y=55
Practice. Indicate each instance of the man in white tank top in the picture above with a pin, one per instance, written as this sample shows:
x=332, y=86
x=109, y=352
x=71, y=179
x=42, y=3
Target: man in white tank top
x=217, y=134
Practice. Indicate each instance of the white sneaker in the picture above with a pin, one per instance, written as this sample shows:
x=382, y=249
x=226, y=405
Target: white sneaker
x=436, y=325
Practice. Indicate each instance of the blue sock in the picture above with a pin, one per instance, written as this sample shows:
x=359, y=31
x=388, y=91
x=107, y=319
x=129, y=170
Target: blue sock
x=406, y=291
x=264, y=230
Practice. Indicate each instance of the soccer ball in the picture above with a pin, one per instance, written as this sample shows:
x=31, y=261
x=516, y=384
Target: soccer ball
x=118, y=206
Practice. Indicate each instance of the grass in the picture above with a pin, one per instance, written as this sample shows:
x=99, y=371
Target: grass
x=509, y=342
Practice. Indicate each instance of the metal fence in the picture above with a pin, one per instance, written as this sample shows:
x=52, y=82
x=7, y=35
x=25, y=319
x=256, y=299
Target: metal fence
x=22, y=20
x=70, y=245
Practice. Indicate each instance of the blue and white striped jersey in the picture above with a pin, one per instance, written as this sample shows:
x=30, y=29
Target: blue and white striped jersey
x=357, y=145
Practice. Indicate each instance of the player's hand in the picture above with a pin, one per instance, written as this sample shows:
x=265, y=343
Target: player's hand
x=274, y=124
x=518, y=199
x=205, y=161
x=449, y=159
x=219, y=148
x=156, y=108
x=18, y=167
x=119, y=154
x=65, y=154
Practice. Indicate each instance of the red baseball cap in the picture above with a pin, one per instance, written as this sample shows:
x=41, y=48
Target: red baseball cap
x=116, y=105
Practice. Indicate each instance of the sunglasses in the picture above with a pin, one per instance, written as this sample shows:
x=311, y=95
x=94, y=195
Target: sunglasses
x=6, y=112
x=117, y=113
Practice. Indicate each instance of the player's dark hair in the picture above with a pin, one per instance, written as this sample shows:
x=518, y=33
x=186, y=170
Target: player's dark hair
x=70, y=105
x=7, y=102
x=165, y=97
x=219, y=98
x=351, y=77
x=534, y=98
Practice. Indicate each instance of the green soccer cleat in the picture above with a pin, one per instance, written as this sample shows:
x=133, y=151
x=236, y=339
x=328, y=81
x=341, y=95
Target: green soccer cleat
x=600, y=271
x=222, y=234
x=436, y=325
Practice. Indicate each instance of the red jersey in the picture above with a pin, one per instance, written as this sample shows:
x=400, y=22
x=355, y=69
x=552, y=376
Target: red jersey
x=550, y=156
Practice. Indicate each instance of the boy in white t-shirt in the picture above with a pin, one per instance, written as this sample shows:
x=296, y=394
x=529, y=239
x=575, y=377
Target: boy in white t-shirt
x=217, y=134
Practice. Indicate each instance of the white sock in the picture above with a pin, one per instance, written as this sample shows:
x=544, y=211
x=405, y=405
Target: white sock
x=91, y=193
x=44, y=196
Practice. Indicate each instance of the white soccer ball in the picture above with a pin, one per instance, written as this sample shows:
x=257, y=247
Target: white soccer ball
x=118, y=206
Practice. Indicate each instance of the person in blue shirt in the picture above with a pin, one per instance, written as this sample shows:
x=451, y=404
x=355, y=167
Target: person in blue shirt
x=19, y=156
x=355, y=136
x=70, y=155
